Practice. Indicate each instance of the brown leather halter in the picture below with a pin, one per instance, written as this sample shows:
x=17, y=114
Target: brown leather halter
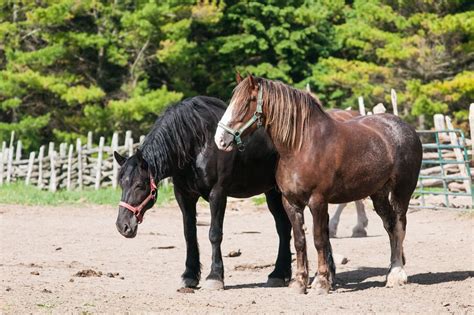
x=137, y=211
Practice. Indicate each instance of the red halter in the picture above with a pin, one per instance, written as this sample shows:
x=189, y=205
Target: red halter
x=137, y=211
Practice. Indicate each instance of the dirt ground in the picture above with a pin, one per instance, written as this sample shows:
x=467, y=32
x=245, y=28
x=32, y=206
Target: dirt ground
x=43, y=248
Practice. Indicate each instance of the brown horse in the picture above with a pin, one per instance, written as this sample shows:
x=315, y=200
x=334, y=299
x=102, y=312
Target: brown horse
x=323, y=161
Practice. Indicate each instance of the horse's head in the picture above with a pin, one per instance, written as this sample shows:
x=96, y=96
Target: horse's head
x=243, y=116
x=138, y=192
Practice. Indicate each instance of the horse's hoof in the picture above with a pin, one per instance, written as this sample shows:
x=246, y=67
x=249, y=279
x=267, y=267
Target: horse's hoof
x=212, y=284
x=396, y=277
x=297, y=287
x=189, y=283
x=275, y=283
x=320, y=286
x=356, y=232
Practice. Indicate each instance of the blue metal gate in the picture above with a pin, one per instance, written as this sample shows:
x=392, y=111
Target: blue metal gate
x=431, y=144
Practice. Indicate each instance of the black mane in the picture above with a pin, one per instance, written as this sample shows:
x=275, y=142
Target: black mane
x=181, y=128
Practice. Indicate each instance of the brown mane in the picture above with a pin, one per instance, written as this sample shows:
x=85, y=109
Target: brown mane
x=286, y=109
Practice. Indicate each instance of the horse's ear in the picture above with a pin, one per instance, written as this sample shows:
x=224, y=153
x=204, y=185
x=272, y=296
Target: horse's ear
x=238, y=77
x=140, y=158
x=251, y=80
x=120, y=159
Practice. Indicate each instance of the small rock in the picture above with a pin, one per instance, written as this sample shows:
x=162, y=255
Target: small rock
x=47, y=291
x=59, y=248
x=340, y=259
x=446, y=304
x=35, y=273
x=8, y=289
x=253, y=302
x=185, y=290
x=112, y=274
x=88, y=273
x=122, y=278
x=234, y=253
x=71, y=280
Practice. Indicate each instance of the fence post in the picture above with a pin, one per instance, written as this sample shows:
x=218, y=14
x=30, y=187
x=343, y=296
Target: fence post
x=98, y=171
x=79, y=163
x=12, y=137
x=1, y=167
x=458, y=153
x=379, y=109
x=114, y=163
x=10, y=163
x=18, y=151
x=439, y=124
x=89, y=140
x=128, y=140
x=393, y=95
x=31, y=163
x=62, y=149
x=69, y=167
x=40, y=167
x=50, y=148
x=471, y=124
x=361, y=106
x=52, y=176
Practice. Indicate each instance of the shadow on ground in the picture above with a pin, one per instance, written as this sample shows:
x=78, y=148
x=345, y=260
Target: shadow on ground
x=354, y=280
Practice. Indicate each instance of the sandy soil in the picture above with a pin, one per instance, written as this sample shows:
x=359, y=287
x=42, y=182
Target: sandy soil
x=42, y=248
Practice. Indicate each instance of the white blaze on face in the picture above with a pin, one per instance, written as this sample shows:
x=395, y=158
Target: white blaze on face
x=219, y=136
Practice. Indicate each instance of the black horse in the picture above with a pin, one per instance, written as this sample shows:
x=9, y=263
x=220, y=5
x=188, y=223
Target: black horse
x=181, y=145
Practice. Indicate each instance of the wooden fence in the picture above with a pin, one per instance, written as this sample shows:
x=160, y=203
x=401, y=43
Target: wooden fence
x=69, y=167
x=85, y=165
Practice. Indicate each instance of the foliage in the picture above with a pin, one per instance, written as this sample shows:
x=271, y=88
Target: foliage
x=67, y=67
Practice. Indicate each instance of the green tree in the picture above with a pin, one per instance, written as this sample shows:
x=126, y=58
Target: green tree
x=424, y=49
x=73, y=66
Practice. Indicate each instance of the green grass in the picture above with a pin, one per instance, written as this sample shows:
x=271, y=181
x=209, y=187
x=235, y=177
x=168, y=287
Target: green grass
x=18, y=193
x=259, y=200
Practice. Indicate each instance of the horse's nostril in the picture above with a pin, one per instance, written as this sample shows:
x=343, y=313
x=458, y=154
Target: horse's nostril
x=125, y=228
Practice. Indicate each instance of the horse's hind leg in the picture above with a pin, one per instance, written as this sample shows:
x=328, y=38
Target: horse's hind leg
x=282, y=272
x=187, y=204
x=393, y=215
x=360, y=229
x=334, y=222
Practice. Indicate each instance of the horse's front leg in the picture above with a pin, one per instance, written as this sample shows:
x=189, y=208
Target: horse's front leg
x=325, y=276
x=295, y=214
x=282, y=272
x=217, y=201
x=187, y=204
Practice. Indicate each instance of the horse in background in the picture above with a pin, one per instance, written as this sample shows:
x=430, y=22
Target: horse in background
x=360, y=229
